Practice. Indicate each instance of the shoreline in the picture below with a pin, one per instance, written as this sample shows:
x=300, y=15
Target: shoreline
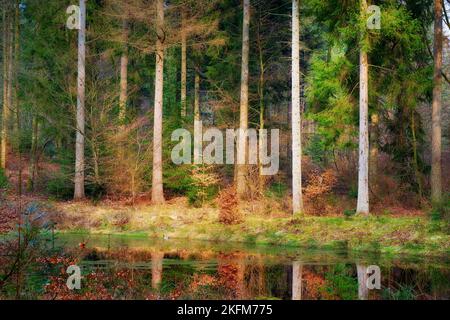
x=417, y=235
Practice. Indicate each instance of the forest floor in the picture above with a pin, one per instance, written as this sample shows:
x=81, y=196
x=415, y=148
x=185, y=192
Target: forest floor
x=387, y=234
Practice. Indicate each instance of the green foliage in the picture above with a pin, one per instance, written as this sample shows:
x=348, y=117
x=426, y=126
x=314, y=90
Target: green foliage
x=277, y=190
x=349, y=213
x=59, y=186
x=403, y=293
x=3, y=180
x=316, y=150
x=340, y=282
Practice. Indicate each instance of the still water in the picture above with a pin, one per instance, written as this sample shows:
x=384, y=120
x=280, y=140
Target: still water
x=114, y=267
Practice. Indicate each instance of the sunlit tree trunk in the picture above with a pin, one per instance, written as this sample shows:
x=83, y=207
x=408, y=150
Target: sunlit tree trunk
x=5, y=109
x=436, y=146
x=241, y=172
x=79, y=146
x=157, y=178
x=183, y=65
x=363, y=168
x=124, y=74
x=297, y=199
x=297, y=269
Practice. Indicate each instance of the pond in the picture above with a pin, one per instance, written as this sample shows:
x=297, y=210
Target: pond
x=120, y=267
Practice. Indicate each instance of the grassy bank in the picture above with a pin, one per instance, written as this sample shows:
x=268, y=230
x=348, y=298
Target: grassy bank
x=385, y=234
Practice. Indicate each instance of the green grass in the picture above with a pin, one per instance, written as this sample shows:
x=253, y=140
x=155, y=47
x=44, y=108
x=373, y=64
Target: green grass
x=379, y=234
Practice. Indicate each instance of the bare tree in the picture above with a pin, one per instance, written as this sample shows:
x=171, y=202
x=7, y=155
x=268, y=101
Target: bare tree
x=6, y=106
x=79, y=146
x=363, y=168
x=183, y=64
x=241, y=172
x=297, y=199
x=436, y=146
x=157, y=179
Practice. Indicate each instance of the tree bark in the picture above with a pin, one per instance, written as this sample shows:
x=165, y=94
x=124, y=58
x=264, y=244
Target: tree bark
x=363, y=168
x=16, y=94
x=33, y=157
x=5, y=111
x=297, y=199
x=261, y=83
x=79, y=146
x=157, y=178
x=373, y=165
x=241, y=171
x=436, y=145
x=124, y=74
x=197, y=114
x=183, y=65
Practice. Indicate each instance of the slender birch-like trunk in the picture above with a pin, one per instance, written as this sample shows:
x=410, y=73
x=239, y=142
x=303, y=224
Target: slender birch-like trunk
x=373, y=165
x=297, y=199
x=197, y=114
x=157, y=178
x=5, y=109
x=183, y=65
x=241, y=171
x=124, y=74
x=363, y=168
x=261, y=83
x=79, y=145
x=436, y=144
x=16, y=93
x=33, y=157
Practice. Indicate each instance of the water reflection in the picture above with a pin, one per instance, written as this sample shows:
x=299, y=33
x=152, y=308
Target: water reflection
x=127, y=268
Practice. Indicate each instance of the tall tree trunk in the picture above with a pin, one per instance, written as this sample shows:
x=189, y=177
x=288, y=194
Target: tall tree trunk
x=241, y=172
x=197, y=114
x=5, y=110
x=297, y=269
x=124, y=74
x=198, y=146
x=16, y=94
x=33, y=156
x=363, y=168
x=436, y=146
x=79, y=145
x=297, y=199
x=183, y=65
x=261, y=82
x=157, y=178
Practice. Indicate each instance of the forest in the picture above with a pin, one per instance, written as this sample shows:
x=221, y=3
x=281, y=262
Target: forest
x=295, y=123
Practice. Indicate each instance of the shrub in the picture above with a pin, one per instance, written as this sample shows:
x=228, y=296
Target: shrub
x=228, y=205
x=3, y=180
x=277, y=190
x=319, y=186
x=204, y=185
x=59, y=185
